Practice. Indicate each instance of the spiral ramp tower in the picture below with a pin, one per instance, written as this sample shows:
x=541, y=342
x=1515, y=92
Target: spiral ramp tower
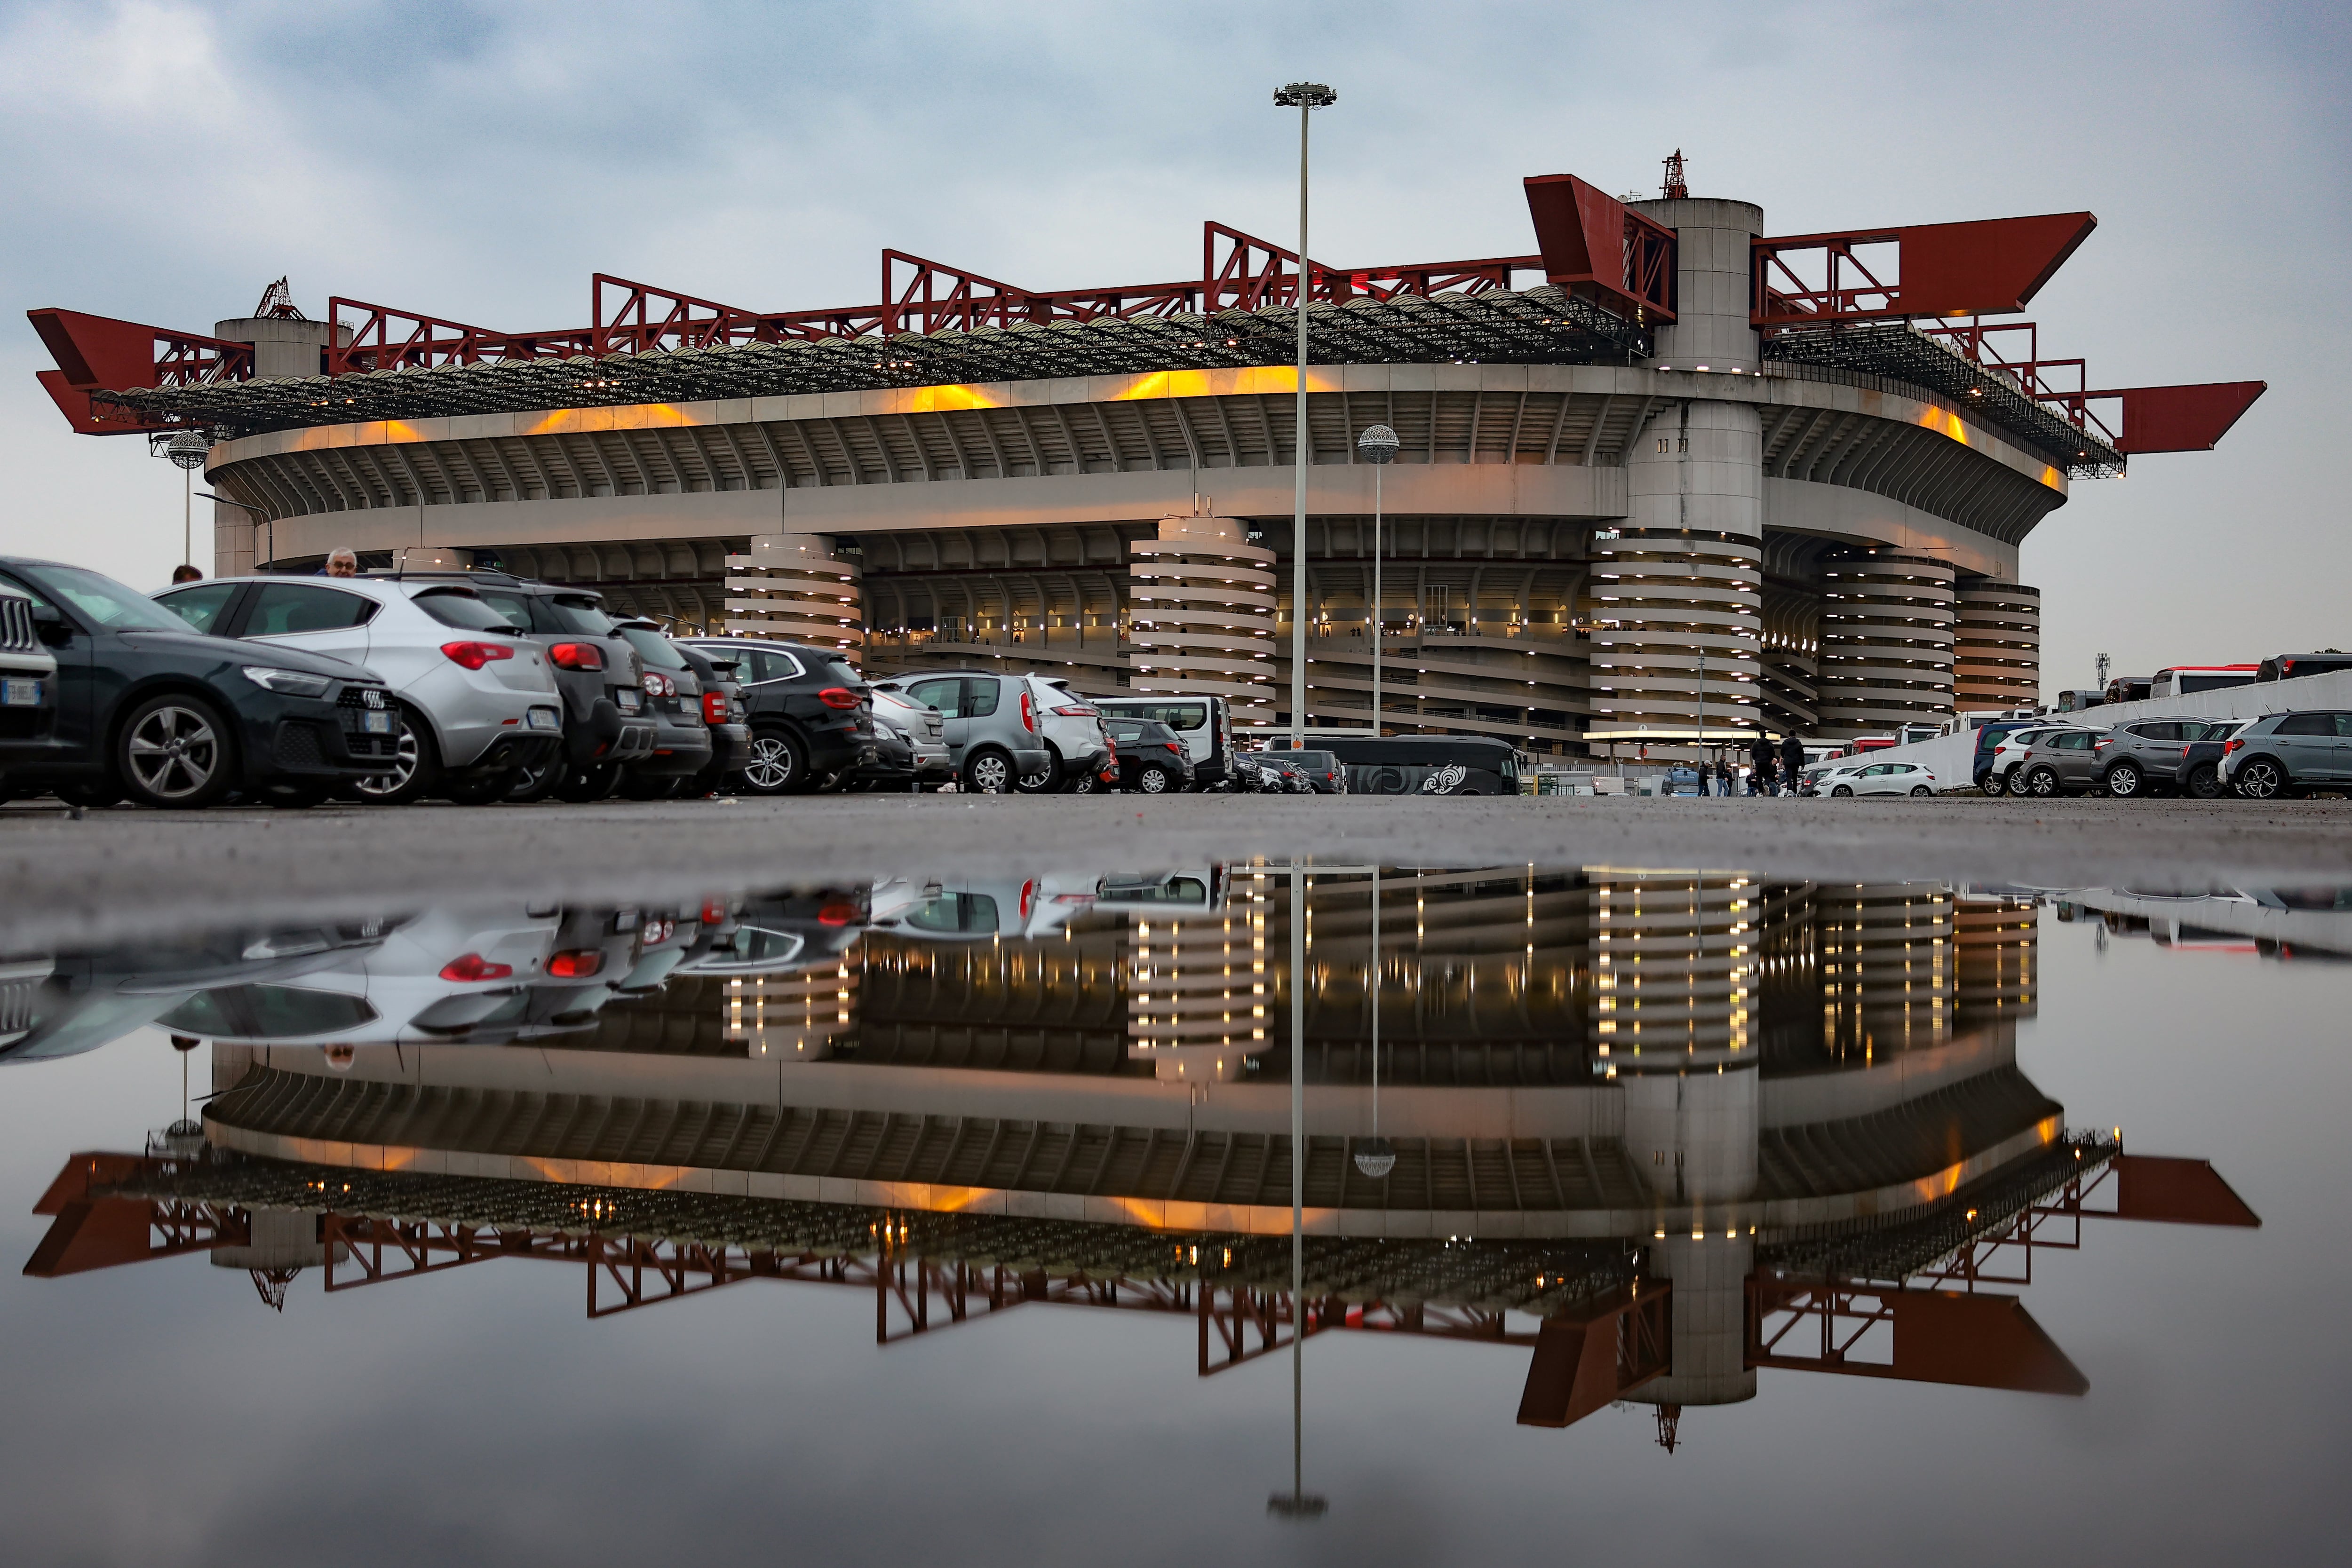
x=1885, y=644
x=792, y=588
x=1201, y=615
x=1996, y=646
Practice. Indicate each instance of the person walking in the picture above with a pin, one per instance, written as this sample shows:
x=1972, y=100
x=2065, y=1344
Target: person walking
x=1705, y=777
x=1792, y=758
x=1759, y=758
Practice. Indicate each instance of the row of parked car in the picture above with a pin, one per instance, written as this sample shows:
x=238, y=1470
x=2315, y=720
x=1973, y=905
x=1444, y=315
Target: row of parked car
x=478, y=686
x=2264, y=759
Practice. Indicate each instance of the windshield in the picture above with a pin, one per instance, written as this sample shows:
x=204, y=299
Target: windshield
x=653, y=648
x=107, y=603
x=462, y=608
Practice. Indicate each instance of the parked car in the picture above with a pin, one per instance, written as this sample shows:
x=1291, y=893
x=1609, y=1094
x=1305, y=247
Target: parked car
x=2143, y=756
x=1858, y=778
x=1204, y=724
x=2199, y=773
x=2064, y=762
x=1991, y=735
x=606, y=725
x=1283, y=773
x=673, y=699
x=1244, y=775
x=478, y=703
x=910, y=747
x=725, y=714
x=1997, y=769
x=991, y=724
x=28, y=686
x=1072, y=728
x=150, y=709
x=1151, y=756
x=807, y=709
x=2288, y=753
x=2292, y=666
x=1321, y=770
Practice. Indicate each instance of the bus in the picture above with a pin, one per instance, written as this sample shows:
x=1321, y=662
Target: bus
x=2187, y=680
x=1422, y=764
x=2288, y=666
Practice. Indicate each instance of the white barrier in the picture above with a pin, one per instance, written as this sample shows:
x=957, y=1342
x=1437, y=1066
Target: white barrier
x=1952, y=758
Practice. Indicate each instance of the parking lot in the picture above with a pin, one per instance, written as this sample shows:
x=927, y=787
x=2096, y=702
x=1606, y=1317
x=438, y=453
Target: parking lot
x=125, y=866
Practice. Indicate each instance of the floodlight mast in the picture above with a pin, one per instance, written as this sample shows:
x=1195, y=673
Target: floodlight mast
x=1378, y=446
x=1304, y=97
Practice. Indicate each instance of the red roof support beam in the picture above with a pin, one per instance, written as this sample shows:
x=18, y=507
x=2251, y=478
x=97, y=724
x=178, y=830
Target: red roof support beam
x=645, y=318
x=2172, y=419
x=384, y=339
x=920, y=295
x=1581, y=1363
x=2169, y=1190
x=1594, y=245
x=99, y=354
x=1986, y=267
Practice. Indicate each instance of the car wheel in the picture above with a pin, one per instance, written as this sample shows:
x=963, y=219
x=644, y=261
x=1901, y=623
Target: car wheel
x=2017, y=781
x=585, y=785
x=2124, y=780
x=1046, y=782
x=778, y=764
x=1921, y=790
x=2262, y=779
x=175, y=752
x=1993, y=785
x=1085, y=784
x=419, y=767
x=1154, y=780
x=2043, y=782
x=1843, y=792
x=2205, y=782
x=988, y=772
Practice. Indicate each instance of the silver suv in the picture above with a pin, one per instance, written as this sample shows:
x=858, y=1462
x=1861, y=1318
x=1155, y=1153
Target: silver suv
x=2064, y=762
x=2001, y=771
x=2143, y=756
x=991, y=723
x=2286, y=753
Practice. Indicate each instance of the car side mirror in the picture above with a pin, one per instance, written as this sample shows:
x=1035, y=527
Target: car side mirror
x=50, y=624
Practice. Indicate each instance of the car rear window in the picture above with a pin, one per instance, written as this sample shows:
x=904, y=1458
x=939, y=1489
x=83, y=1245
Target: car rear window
x=578, y=612
x=653, y=648
x=515, y=607
x=463, y=608
x=840, y=669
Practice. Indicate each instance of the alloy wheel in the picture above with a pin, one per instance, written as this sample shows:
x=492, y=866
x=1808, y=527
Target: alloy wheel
x=991, y=774
x=2123, y=780
x=2043, y=782
x=773, y=766
x=173, y=753
x=1154, y=781
x=375, y=786
x=2260, y=780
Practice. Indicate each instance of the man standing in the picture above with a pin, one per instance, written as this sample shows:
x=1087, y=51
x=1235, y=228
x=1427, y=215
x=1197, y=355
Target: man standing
x=342, y=563
x=1792, y=758
x=1705, y=777
x=1759, y=756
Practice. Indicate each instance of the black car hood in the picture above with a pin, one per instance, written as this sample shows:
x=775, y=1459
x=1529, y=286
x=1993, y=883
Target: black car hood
x=243, y=652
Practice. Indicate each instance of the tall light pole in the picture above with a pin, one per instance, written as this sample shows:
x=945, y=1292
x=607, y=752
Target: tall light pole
x=186, y=451
x=1377, y=446
x=1304, y=97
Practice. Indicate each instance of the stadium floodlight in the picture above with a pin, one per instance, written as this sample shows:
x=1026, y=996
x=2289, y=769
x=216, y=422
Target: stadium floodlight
x=1378, y=446
x=1304, y=97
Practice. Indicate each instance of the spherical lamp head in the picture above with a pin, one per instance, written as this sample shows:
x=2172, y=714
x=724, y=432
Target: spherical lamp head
x=1375, y=1157
x=1378, y=445
x=187, y=449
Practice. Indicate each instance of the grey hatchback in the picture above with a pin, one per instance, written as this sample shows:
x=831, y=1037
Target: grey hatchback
x=991, y=726
x=2064, y=762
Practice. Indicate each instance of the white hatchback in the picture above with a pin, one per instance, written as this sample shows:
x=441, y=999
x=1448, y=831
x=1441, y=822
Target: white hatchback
x=1863, y=777
x=480, y=700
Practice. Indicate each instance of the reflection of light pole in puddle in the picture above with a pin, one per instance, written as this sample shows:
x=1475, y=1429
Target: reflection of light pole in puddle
x=1376, y=1158
x=185, y=1135
x=1298, y=1504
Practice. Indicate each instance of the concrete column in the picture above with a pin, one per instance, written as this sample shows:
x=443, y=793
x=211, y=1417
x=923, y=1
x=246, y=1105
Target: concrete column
x=1711, y=283
x=282, y=345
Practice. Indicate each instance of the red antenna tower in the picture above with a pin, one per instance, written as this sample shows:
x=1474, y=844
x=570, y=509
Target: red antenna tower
x=277, y=300
x=1677, y=188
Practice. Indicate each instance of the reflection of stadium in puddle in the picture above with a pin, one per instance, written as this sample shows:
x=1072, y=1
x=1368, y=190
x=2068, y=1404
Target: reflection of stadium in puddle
x=1663, y=1129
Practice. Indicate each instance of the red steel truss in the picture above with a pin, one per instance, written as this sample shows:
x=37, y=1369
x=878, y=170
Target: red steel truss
x=99, y=354
x=1594, y=245
x=1987, y=267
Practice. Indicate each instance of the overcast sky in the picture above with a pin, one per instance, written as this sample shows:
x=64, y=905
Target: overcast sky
x=163, y=162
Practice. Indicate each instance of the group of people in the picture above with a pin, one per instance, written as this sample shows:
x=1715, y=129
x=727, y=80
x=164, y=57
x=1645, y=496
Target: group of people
x=1769, y=767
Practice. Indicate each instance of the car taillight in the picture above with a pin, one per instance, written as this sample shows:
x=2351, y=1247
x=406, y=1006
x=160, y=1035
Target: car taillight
x=1028, y=713
x=577, y=965
x=2101, y=745
x=2229, y=746
x=837, y=697
x=1171, y=745
x=1078, y=710
x=658, y=684
x=474, y=655
x=836, y=914
x=714, y=707
x=576, y=656
x=473, y=966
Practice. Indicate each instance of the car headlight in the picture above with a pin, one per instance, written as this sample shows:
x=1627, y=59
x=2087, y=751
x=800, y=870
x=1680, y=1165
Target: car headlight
x=291, y=682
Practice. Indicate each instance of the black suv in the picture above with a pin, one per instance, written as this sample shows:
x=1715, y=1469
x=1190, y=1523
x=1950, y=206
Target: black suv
x=167, y=717
x=605, y=722
x=674, y=701
x=811, y=716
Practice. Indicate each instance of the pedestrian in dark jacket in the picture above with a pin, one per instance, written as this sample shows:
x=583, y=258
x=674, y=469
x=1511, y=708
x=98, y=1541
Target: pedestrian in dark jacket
x=1792, y=758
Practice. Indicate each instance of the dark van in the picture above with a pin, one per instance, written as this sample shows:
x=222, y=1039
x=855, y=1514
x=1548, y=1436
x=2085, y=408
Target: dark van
x=2288, y=666
x=1422, y=764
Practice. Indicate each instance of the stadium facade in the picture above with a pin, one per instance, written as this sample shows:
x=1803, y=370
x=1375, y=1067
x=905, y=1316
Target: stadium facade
x=1664, y=480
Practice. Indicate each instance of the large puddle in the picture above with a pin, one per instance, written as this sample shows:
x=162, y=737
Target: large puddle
x=1267, y=1212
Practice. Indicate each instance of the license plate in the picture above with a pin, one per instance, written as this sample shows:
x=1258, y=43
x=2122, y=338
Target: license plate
x=545, y=718
x=20, y=694
x=375, y=724
x=626, y=698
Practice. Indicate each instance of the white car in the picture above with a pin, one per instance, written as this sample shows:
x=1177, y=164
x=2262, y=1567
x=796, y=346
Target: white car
x=1072, y=728
x=1862, y=776
x=480, y=700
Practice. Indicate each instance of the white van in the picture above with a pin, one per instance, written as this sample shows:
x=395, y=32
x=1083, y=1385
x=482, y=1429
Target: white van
x=1204, y=723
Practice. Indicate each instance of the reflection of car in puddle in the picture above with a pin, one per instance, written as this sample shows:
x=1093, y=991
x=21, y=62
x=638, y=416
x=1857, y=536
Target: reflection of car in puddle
x=778, y=934
x=975, y=911
x=62, y=1006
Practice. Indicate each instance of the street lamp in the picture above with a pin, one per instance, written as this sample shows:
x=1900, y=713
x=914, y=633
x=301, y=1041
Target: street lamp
x=1377, y=446
x=1304, y=97
x=186, y=451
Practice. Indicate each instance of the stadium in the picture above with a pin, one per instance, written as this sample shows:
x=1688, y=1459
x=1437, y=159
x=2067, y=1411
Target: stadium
x=1663, y=480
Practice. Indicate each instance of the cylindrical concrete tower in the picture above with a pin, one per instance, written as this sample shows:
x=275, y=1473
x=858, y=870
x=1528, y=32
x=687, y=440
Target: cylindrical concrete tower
x=1997, y=645
x=1202, y=614
x=1886, y=643
x=790, y=587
